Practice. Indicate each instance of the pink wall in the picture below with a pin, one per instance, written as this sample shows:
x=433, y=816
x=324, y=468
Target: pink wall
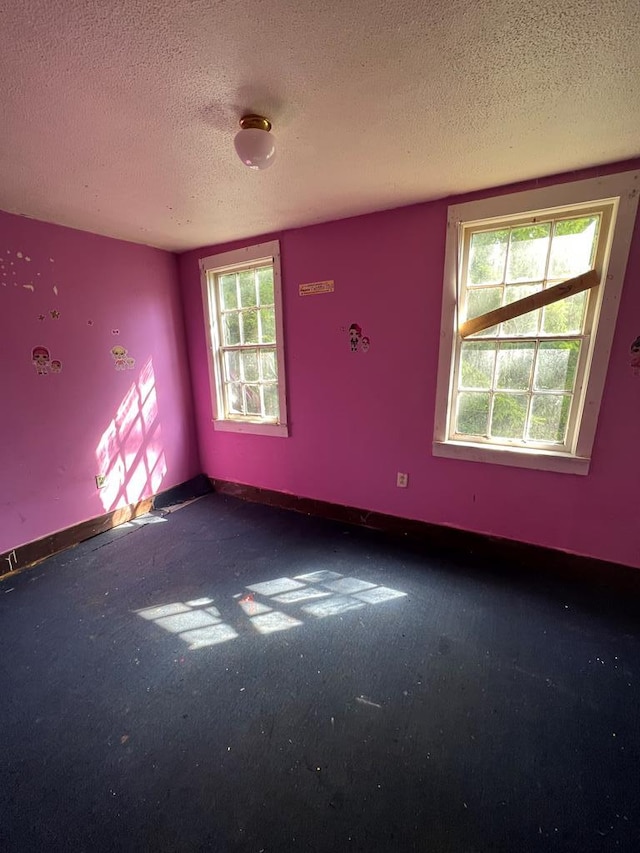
x=58, y=430
x=357, y=419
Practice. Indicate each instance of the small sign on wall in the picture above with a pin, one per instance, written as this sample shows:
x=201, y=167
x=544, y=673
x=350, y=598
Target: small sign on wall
x=315, y=287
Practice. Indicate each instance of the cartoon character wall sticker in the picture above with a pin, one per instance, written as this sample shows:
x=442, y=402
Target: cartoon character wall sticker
x=635, y=356
x=41, y=358
x=122, y=360
x=358, y=341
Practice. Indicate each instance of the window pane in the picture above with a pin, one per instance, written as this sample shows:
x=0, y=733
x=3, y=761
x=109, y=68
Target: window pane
x=476, y=364
x=556, y=365
x=481, y=300
x=247, y=281
x=250, y=327
x=473, y=413
x=265, y=285
x=549, y=416
x=271, y=403
x=528, y=252
x=269, y=364
x=231, y=329
x=228, y=290
x=487, y=254
x=268, y=322
x=231, y=366
x=514, y=366
x=509, y=415
x=573, y=246
x=525, y=324
x=250, y=366
x=565, y=317
x=234, y=398
x=252, y=399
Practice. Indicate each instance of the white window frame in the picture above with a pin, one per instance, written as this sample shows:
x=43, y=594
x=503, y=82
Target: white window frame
x=210, y=267
x=622, y=190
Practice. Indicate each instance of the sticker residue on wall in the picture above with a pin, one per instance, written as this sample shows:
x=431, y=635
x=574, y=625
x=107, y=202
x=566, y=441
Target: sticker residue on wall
x=315, y=287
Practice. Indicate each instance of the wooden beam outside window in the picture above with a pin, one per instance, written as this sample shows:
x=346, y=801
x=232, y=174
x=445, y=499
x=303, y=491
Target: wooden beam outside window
x=530, y=303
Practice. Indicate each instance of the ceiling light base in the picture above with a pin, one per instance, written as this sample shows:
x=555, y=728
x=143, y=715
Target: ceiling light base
x=255, y=122
x=254, y=144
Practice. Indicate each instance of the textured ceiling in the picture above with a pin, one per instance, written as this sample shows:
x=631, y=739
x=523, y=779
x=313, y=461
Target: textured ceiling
x=118, y=117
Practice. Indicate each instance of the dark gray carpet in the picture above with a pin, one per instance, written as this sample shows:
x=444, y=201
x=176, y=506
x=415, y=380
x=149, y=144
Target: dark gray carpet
x=391, y=699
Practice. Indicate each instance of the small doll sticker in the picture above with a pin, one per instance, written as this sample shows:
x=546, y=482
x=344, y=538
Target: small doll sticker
x=358, y=341
x=43, y=363
x=635, y=356
x=41, y=360
x=355, y=333
x=122, y=360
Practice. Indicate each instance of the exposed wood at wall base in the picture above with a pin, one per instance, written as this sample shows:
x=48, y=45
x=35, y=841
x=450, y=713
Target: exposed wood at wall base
x=35, y=552
x=536, y=558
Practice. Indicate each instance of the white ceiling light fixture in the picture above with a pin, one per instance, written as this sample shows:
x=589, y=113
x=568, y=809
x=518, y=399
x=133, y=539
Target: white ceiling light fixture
x=255, y=145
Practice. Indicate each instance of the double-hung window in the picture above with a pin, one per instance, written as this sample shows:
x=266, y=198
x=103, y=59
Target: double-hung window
x=531, y=292
x=243, y=313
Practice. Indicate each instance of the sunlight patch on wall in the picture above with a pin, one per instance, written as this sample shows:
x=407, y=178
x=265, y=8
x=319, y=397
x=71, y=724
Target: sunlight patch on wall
x=317, y=594
x=130, y=454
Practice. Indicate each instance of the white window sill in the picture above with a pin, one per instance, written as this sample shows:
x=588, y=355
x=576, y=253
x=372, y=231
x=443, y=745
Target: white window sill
x=542, y=460
x=252, y=427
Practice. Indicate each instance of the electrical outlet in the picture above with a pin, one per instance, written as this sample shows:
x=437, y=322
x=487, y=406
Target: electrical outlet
x=100, y=481
x=402, y=480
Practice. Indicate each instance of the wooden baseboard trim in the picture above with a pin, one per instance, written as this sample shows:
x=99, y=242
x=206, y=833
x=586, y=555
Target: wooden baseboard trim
x=535, y=558
x=35, y=552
